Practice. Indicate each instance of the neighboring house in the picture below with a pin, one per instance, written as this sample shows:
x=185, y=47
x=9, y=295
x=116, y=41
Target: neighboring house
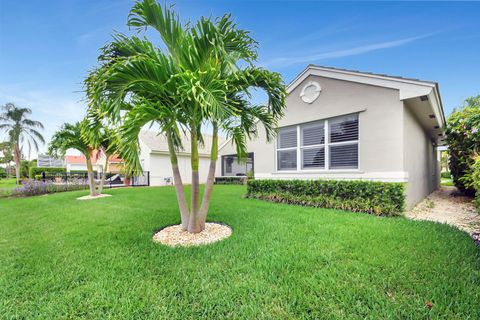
x=342, y=124
x=79, y=163
x=45, y=161
x=155, y=158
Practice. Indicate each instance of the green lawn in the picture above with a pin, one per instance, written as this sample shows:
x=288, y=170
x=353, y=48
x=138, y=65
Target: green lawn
x=7, y=183
x=6, y=186
x=447, y=182
x=63, y=258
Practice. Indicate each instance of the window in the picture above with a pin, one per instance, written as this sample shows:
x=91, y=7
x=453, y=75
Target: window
x=287, y=149
x=325, y=144
x=231, y=166
x=344, y=142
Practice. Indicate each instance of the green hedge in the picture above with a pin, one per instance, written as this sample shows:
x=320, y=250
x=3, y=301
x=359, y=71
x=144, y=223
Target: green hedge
x=463, y=138
x=379, y=198
x=446, y=175
x=35, y=171
x=476, y=181
x=231, y=180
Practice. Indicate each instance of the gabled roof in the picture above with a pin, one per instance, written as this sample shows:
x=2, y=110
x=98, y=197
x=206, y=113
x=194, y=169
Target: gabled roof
x=408, y=87
x=75, y=160
x=157, y=143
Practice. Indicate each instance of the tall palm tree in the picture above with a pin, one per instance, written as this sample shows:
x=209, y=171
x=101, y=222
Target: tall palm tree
x=20, y=130
x=196, y=80
x=70, y=137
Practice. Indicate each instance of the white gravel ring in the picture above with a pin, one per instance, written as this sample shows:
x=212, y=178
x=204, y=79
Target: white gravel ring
x=174, y=235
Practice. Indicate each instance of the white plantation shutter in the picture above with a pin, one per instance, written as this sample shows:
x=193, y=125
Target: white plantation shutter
x=344, y=156
x=344, y=128
x=287, y=138
x=313, y=134
x=287, y=149
x=344, y=142
x=287, y=159
x=316, y=150
x=313, y=158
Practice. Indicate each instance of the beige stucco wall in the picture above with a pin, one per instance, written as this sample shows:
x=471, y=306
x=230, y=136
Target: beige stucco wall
x=381, y=129
x=420, y=159
x=393, y=145
x=160, y=167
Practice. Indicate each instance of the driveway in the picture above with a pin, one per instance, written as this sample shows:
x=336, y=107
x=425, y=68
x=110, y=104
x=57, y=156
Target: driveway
x=447, y=205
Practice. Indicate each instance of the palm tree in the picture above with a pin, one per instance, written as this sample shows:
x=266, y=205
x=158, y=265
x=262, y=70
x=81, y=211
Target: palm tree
x=70, y=137
x=196, y=80
x=102, y=138
x=6, y=155
x=20, y=130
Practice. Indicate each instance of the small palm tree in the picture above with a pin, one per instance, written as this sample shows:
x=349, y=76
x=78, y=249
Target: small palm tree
x=197, y=80
x=20, y=130
x=70, y=137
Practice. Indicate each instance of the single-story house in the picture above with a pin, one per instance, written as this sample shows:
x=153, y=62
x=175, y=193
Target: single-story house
x=343, y=124
x=155, y=158
x=79, y=162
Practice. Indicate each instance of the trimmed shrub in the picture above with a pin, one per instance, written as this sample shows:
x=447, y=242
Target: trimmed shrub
x=476, y=181
x=33, y=187
x=446, y=175
x=3, y=173
x=35, y=171
x=231, y=180
x=463, y=137
x=379, y=198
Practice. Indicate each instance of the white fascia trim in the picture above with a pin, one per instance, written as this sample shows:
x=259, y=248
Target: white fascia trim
x=377, y=80
x=394, y=176
x=187, y=154
x=407, y=88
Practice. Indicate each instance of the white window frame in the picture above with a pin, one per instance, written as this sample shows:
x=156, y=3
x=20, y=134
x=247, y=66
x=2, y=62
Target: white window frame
x=286, y=149
x=326, y=145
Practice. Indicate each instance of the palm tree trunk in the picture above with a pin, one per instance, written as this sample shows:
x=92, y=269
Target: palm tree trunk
x=91, y=180
x=207, y=194
x=177, y=180
x=104, y=173
x=194, y=225
x=17, y=155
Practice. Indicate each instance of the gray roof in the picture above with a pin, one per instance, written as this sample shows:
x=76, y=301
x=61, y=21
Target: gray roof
x=158, y=142
x=373, y=74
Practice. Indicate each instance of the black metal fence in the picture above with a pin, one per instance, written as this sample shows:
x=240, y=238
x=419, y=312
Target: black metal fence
x=112, y=179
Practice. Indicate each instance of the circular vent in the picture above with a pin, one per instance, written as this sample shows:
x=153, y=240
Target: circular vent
x=310, y=92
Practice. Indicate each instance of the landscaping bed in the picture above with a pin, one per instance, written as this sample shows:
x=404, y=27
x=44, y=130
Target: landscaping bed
x=63, y=258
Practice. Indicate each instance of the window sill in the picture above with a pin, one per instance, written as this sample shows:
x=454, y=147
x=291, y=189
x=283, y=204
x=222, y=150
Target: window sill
x=319, y=171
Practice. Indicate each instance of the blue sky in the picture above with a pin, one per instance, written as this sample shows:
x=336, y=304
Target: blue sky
x=47, y=47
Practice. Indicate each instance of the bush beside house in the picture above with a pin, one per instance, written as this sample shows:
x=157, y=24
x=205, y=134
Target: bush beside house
x=476, y=181
x=35, y=171
x=463, y=137
x=379, y=198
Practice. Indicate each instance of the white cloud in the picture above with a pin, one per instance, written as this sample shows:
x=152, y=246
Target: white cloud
x=286, y=61
x=52, y=107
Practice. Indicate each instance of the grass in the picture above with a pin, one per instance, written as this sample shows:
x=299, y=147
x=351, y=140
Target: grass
x=447, y=182
x=6, y=185
x=62, y=258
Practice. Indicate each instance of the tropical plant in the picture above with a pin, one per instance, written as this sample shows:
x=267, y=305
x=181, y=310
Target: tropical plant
x=197, y=79
x=6, y=155
x=25, y=166
x=103, y=139
x=463, y=137
x=20, y=130
x=70, y=137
